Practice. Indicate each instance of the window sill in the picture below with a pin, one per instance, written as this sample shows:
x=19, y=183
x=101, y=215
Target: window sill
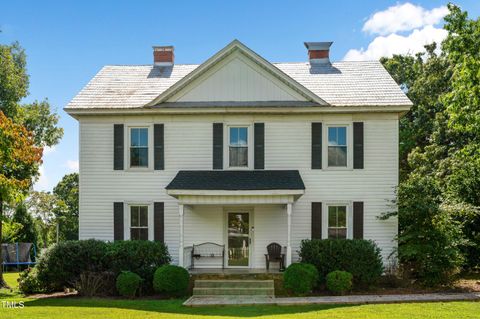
x=139, y=169
x=334, y=168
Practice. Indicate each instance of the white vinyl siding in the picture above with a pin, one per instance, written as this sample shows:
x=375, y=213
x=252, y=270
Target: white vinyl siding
x=287, y=146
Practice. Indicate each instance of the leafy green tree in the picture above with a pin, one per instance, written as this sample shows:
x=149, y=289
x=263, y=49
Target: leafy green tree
x=424, y=78
x=67, y=191
x=438, y=197
x=34, y=126
x=19, y=159
x=21, y=216
x=47, y=209
x=13, y=78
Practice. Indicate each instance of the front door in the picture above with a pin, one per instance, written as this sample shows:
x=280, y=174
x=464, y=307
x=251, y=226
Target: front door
x=238, y=238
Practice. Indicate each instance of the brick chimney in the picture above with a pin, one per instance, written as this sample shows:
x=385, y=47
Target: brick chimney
x=318, y=52
x=163, y=55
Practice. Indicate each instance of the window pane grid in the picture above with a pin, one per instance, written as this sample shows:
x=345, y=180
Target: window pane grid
x=139, y=223
x=337, y=222
x=337, y=146
x=139, y=147
x=238, y=147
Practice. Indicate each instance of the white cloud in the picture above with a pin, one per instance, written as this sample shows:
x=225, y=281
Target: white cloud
x=72, y=165
x=48, y=150
x=43, y=183
x=403, y=17
x=386, y=46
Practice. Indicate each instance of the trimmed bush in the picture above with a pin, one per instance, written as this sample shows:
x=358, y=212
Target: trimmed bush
x=62, y=264
x=28, y=281
x=359, y=257
x=300, y=278
x=171, y=280
x=142, y=257
x=128, y=283
x=339, y=282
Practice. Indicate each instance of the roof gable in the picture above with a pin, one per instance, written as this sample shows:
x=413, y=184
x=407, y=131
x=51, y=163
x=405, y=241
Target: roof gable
x=236, y=73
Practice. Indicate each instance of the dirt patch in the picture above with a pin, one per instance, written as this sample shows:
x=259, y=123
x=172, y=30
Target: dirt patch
x=55, y=295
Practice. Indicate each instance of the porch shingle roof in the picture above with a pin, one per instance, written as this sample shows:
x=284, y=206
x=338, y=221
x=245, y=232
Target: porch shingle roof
x=237, y=180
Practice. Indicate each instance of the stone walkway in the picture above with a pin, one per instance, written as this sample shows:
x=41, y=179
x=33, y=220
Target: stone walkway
x=355, y=299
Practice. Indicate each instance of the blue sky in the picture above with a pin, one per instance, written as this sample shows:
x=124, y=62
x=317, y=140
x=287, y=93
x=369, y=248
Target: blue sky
x=68, y=42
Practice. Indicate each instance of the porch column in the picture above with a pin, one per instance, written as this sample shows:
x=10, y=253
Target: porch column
x=288, y=260
x=180, y=248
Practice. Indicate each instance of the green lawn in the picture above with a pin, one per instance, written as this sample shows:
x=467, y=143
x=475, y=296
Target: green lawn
x=119, y=309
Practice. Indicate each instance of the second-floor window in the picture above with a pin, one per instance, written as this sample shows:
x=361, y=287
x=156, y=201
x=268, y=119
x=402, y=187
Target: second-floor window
x=238, y=146
x=138, y=147
x=337, y=146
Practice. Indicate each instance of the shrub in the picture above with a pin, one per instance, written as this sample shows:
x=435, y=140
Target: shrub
x=128, y=283
x=430, y=236
x=62, y=264
x=171, y=280
x=96, y=284
x=339, y=282
x=28, y=281
x=139, y=256
x=359, y=257
x=300, y=278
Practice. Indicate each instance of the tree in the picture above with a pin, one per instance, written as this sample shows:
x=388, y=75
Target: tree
x=440, y=151
x=13, y=78
x=21, y=216
x=37, y=117
x=47, y=210
x=67, y=191
x=19, y=158
x=34, y=124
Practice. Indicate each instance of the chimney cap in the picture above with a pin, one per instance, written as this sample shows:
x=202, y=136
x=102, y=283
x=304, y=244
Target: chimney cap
x=318, y=45
x=162, y=47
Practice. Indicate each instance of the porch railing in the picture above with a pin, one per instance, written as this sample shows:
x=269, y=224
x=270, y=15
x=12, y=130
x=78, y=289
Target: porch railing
x=187, y=257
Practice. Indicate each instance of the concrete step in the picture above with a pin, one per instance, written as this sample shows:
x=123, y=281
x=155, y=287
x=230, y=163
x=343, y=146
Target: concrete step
x=234, y=284
x=233, y=291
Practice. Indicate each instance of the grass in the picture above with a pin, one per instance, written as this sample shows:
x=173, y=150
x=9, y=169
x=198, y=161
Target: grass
x=73, y=308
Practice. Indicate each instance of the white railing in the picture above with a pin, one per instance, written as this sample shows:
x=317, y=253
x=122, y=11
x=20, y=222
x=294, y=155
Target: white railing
x=187, y=257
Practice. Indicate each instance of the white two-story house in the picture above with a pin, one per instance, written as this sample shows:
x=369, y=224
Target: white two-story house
x=240, y=152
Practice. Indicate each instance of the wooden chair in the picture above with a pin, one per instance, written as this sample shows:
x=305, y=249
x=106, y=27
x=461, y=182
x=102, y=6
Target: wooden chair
x=274, y=254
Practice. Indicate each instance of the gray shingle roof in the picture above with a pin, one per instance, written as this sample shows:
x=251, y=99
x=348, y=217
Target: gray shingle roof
x=237, y=180
x=365, y=83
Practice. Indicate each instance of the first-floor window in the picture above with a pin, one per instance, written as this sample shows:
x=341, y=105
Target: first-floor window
x=337, y=222
x=139, y=222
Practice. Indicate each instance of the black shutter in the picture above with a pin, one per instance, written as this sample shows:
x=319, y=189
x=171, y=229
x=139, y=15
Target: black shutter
x=259, y=147
x=316, y=145
x=118, y=229
x=217, y=145
x=317, y=220
x=358, y=220
x=158, y=149
x=358, y=145
x=118, y=146
x=158, y=222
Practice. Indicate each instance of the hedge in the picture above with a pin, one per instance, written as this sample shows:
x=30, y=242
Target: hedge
x=61, y=264
x=359, y=257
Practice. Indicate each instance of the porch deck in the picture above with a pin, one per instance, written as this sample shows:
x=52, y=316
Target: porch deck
x=232, y=271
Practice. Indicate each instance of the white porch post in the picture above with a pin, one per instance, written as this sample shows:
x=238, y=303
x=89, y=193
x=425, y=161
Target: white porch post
x=288, y=260
x=180, y=248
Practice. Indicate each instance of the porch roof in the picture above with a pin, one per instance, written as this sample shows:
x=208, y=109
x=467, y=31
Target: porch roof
x=244, y=180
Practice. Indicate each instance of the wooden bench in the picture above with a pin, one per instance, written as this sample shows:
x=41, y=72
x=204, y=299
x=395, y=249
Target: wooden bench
x=208, y=250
